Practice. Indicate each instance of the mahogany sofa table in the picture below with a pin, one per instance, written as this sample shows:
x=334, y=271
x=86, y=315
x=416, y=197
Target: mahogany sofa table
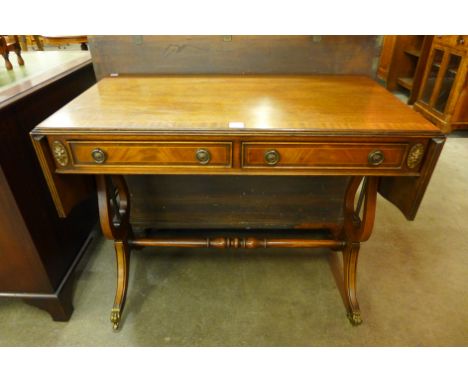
x=346, y=132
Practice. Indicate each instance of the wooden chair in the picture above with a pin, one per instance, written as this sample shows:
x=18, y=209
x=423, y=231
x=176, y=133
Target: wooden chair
x=8, y=44
x=67, y=39
x=24, y=40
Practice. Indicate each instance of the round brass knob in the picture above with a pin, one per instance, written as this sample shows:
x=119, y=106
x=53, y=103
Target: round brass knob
x=375, y=157
x=98, y=155
x=272, y=157
x=203, y=156
x=460, y=40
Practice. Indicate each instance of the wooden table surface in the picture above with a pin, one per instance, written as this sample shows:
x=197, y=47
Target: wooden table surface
x=196, y=104
x=40, y=69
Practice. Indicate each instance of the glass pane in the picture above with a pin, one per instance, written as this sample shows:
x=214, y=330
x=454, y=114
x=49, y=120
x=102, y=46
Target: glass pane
x=431, y=79
x=447, y=82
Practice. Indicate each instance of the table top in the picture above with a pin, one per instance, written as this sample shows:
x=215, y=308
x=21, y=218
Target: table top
x=191, y=125
x=40, y=68
x=238, y=104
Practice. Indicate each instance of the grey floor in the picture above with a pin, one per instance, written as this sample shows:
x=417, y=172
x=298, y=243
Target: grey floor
x=412, y=287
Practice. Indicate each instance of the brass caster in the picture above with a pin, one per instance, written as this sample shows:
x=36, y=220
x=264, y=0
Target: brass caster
x=115, y=318
x=355, y=318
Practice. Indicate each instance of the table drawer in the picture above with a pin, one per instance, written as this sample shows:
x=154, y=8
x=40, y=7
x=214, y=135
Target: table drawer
x=151, y=154
x=324, y=155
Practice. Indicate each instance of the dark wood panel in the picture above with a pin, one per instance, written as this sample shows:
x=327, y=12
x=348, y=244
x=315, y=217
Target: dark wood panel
x=15, y=239
x=407, y=193
x=36, y=246
x=238, y=202
x=25, y=177
x=240, y=54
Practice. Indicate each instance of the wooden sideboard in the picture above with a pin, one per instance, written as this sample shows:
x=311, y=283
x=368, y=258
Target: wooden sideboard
x=402, y=63
x=443, y=95
x=38, y=250
x=342, y=138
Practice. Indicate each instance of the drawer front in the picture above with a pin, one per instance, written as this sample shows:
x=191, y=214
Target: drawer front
x=151, y=154
x=324, y=155
x=453, y=41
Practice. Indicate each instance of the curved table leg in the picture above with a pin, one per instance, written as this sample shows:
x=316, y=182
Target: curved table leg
x=114, y=212
x=356, y=230
x=122, y=254
x=350, y=257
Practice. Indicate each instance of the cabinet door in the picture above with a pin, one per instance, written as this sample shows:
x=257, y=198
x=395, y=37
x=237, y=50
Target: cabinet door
x=449, y=76
x=440, y=78
x=432, y=76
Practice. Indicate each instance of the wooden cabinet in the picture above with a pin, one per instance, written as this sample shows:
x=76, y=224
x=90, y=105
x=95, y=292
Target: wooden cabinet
x=39, y=251
x=402, y=63
x=443, y=97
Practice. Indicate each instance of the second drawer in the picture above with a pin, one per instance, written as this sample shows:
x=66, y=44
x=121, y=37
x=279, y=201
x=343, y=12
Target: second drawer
x=320, y=155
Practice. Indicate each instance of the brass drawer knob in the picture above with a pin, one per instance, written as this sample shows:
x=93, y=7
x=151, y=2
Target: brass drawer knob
x=203, y=156
x=460, y=40
x=99, y=156
x=272, y=157
x=375, y=157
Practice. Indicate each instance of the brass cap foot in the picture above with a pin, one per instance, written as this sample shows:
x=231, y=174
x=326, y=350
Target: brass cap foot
x=355, y=318
x=115, y=318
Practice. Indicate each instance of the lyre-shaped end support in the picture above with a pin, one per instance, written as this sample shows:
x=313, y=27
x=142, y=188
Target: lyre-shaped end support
x=355, y=231
x=114, y=212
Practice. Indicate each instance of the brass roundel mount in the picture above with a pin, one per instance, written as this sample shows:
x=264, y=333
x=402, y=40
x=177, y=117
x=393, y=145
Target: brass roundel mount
x=60, y=153
x=272, y=157
x=375, y=157
x=415, y=155
x=203, y=156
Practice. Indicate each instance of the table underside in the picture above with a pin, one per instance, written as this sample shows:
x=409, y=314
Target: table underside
x=236, y=202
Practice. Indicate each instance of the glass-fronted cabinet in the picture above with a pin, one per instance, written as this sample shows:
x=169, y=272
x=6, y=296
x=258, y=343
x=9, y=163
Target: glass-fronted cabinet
x=443, y=97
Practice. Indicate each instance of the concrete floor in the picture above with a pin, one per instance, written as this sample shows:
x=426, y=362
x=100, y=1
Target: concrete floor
x=412, y=287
